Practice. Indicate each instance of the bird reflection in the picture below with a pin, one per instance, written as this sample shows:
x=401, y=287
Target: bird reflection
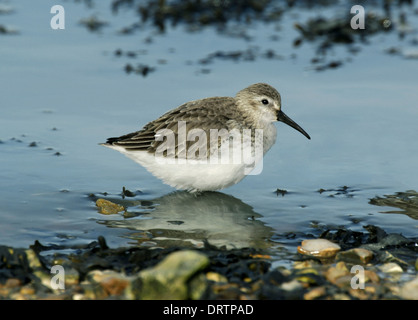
x=184, y=219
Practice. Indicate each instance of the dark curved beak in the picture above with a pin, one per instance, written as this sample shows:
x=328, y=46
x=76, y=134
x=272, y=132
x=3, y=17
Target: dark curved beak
x=281, y=116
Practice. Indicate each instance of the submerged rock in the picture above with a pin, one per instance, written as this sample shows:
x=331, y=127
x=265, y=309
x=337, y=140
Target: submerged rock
x=108, y=207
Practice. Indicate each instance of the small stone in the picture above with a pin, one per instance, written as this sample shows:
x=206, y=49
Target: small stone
x=12, y=283
x=359, y=294
x=227, y=291
x=386, y=256
x=371, y=289
x=391, y=267
x=334, y=273
x=221, y=287
x=319, y=248
x=341, y=266
x=315, y=293
x=370, y=275
x=307, y=276
x=344, y=281
x=305, y=264
x=216, y=277
x=108, y=207
x=169, y=279
x=93, y=291
x=115, y=285
x=37, y=268
x=72, y=276
x=307, y=271
x=341, y=296
x=292, y=285
x=197, y=286
x=409, y=290
x=27, y=290
x=356, y=256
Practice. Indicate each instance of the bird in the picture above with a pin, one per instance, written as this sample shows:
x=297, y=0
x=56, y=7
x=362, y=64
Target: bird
x=209, y=144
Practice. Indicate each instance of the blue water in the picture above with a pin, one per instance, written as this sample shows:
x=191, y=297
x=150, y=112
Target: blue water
x=67, y=91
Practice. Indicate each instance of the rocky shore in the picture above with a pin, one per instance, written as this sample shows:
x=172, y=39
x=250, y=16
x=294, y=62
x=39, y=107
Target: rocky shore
x=342, y=264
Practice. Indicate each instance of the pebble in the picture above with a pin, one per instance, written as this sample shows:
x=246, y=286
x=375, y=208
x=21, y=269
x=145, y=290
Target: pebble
x=390, y=267
x=108, y=207
x=216, y=277
x=112, y=282
x=169, y=279
x=27, y=290
x=386, y=256
x=292, y=285
x=338, y=275
x=370, y=275
x=319, y=248
x=355, y=256
x=410, y=290
x=315, y=293
x=12, y=283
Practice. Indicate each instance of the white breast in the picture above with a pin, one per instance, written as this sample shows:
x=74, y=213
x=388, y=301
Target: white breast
x=205, y=175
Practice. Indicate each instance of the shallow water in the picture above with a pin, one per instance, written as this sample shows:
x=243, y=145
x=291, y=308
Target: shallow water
x=64, y=91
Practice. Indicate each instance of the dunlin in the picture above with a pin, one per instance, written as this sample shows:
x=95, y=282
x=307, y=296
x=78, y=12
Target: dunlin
x=208, y=144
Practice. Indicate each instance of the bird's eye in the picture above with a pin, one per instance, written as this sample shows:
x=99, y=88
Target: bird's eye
x=264, y=101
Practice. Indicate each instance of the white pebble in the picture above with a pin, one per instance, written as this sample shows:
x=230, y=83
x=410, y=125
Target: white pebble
x=319, y=248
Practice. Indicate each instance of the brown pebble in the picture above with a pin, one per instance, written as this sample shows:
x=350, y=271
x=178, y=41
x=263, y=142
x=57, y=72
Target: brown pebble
x=333, y=273
x=359, y=294
x=315, y=293
x=12, y=283
x=108, y=207
x=371, y=276
x=409, y=290
x=114, y=285
x=26, y=290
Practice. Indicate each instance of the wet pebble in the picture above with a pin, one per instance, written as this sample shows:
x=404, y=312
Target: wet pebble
x=391, y=267
x=169, y=279
x=216, y=277
x=338, y=275
x=410, y=290
x=356, y=256
x=319, y=248
x=315, y=293
x=108, y=207
x=113, y=283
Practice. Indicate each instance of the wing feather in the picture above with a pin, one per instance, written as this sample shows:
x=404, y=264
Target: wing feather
x=203, y=115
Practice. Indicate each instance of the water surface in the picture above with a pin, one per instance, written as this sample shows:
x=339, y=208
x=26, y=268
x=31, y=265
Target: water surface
x=65, y=91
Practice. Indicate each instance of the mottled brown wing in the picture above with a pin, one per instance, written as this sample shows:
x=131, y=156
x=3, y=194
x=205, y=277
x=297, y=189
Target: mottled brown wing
x=198, y=116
